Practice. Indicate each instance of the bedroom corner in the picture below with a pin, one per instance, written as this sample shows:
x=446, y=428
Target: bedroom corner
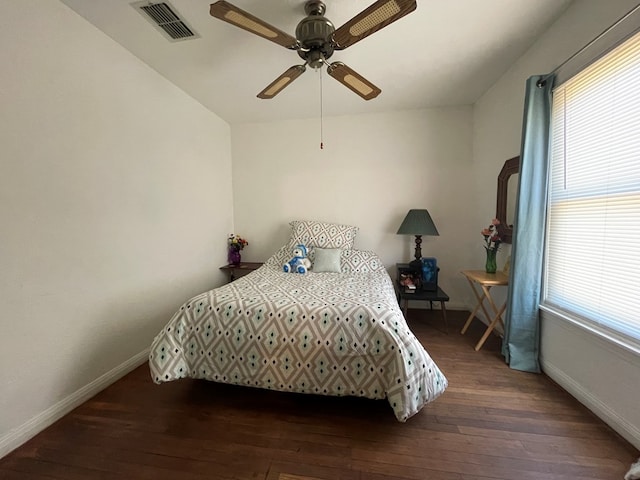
x=114, y=206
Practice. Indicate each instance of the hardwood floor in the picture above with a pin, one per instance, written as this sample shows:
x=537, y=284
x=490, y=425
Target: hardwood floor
x=491, y=423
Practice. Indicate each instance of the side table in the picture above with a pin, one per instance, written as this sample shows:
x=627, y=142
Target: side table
x=422, y=296
x=241, y=269
x=486, y=281
x=437, y=295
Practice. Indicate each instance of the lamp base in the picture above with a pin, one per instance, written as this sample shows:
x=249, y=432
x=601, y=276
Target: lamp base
x=416, y=265
x=418, y=253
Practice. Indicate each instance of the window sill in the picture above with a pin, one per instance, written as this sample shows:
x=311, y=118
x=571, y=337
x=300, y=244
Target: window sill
x=609, y=338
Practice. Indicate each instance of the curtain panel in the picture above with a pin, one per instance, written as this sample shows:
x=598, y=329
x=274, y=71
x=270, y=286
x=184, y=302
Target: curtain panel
x=521, y=343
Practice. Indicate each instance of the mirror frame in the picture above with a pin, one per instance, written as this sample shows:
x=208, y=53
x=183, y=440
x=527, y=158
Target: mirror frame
x=510, y=167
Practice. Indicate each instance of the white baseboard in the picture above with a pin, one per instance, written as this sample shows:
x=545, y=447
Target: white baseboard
x=610, y=417
x=35, y=425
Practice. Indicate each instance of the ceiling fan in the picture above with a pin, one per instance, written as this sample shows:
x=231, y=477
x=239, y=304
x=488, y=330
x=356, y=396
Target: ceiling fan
x=316, y=39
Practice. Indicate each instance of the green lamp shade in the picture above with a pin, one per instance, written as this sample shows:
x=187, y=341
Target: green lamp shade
x=418, y=222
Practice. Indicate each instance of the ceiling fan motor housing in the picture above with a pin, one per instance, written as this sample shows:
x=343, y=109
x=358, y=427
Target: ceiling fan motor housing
x=314, y=34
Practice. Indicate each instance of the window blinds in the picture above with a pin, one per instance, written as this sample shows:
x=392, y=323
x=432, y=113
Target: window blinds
x=592, y=265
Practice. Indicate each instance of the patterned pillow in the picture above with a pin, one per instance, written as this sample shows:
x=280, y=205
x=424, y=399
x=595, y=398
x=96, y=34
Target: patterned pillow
x=280, y=257
x=322, y=235
x=360, y=261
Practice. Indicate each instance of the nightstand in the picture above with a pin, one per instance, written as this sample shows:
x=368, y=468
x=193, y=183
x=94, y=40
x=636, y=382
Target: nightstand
x=241, y=269
x=437, y=295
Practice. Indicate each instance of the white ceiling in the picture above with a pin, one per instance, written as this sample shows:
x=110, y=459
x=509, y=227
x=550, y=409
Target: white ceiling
x=447, y=52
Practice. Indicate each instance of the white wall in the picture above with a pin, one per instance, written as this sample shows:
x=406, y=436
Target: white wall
x=115, y=203
x=580, y=362
x=372, y=170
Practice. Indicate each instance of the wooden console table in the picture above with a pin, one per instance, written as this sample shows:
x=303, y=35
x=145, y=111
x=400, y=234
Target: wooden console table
x=486, y=281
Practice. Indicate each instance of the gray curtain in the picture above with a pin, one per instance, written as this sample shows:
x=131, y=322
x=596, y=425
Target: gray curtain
x=521, y=343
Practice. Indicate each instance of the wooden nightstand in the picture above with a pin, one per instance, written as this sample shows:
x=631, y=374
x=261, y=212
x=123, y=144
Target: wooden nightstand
x=243, y=268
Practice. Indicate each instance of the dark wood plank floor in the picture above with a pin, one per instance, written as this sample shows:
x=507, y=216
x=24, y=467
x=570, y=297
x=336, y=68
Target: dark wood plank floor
x=491, y=423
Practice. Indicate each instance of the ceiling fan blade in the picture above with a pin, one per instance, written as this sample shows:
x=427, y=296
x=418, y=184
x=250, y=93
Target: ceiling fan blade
x=235, y=16
x=281, y=82
x=354, y=81
x=377, y=16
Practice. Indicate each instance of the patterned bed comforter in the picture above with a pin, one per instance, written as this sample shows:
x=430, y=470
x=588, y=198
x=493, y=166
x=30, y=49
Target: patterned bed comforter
x=320, y=333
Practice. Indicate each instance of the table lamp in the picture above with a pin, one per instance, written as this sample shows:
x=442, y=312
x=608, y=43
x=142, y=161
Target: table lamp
x=418, y=222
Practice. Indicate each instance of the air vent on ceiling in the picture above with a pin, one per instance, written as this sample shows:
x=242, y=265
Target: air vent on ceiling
x=165, y=18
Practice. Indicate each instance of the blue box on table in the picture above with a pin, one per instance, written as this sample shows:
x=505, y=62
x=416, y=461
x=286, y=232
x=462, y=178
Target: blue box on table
x=430, y=274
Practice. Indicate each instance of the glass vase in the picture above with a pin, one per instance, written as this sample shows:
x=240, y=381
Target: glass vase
x=490, y=264
x=234, y=256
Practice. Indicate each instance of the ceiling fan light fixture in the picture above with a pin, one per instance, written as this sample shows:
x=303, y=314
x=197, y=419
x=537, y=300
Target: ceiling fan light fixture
x=249, y=24
x=375, y=18
x=315, y=59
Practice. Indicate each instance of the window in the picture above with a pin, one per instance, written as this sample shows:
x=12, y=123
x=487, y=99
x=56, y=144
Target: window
x=592, y=264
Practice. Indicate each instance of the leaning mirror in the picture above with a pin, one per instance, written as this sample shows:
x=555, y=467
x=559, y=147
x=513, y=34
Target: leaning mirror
x=506, y=196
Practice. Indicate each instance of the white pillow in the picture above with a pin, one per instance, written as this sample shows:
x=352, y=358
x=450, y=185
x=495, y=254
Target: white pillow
x=326, y=260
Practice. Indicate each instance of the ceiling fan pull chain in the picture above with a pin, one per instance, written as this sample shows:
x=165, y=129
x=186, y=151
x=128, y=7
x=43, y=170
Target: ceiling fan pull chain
x=321, y=129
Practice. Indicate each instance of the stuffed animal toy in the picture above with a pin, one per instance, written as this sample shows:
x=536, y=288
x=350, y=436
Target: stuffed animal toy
x=299, y=263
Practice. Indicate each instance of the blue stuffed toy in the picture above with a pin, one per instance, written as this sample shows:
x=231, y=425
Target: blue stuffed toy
x=299, y=263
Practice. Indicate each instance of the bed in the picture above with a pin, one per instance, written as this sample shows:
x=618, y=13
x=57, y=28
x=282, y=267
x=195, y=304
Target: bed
x=336, y=330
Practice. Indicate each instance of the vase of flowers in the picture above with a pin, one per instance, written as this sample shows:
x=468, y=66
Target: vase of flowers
x=490, y=264
x=492, y=242
x=235, y=245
